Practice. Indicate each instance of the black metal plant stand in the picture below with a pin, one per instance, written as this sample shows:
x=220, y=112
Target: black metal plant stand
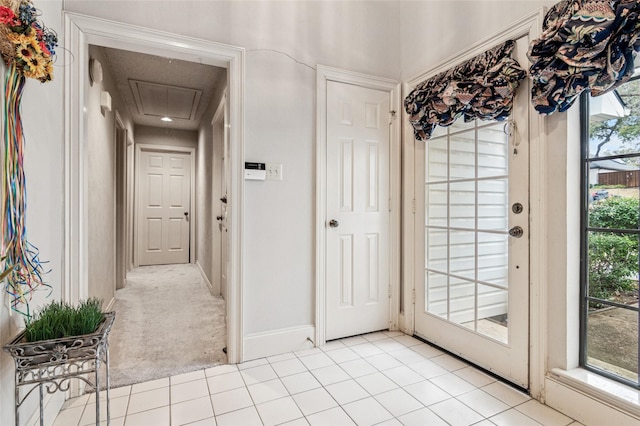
x=51, y=364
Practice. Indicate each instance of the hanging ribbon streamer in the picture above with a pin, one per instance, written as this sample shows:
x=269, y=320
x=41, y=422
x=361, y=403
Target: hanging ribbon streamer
x=26, y=274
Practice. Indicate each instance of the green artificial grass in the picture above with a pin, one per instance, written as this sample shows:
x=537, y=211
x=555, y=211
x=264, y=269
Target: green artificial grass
x=60, y=319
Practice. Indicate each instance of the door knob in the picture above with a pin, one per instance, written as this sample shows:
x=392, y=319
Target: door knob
x=516, y=232
x=219, y=217
x=334, y=223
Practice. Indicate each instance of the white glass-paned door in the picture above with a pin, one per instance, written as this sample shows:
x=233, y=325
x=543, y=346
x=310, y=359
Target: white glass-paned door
x=473, y=208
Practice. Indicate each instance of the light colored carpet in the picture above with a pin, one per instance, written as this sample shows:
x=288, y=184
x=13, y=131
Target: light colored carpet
x=167, y=323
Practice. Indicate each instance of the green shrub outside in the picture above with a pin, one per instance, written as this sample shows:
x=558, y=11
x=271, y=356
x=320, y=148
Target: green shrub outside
x=613, y=257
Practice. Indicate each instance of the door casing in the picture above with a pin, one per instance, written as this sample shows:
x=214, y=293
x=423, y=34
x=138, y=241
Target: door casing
x=323, y=75
x=80, y=32
x=192, y=196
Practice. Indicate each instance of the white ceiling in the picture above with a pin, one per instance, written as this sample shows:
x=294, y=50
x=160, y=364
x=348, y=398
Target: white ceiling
x=153, y=86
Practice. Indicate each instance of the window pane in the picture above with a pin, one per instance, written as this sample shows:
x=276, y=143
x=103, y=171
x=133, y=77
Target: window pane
x=462, y=201
x=612, y=340
x=436, y=293
x=436, y=160
x=493, y=144
x=436, y=249
x=462, y=156
x=493, y=204
x=492, y=312
x=613, y=266
x=436, y=204
x=462, y=253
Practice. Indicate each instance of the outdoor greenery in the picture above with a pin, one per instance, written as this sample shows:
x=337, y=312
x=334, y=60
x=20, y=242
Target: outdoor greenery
x=613, y=257
x=60, y=319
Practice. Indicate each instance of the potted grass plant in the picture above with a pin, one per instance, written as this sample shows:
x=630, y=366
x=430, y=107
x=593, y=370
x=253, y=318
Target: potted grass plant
x=60, y=332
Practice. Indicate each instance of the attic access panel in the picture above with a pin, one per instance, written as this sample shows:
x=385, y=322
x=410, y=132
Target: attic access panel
x=160, y=100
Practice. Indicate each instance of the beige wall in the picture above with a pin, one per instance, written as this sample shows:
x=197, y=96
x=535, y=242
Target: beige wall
x=166, y=136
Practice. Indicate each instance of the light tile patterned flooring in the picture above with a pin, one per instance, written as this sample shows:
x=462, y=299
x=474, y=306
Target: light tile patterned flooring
x=384, y=378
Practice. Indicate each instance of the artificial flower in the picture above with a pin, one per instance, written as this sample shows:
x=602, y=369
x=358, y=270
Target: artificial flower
x=6, y=15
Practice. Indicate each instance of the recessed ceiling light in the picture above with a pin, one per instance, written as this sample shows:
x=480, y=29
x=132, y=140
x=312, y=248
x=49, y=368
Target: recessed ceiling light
x=167, y=119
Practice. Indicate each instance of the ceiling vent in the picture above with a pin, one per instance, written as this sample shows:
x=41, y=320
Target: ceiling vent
x=161, y=100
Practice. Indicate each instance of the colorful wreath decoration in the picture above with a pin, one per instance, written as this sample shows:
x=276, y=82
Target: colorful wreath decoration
x=28, y=49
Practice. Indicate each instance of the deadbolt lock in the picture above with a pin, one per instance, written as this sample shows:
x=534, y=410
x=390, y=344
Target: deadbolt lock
x=517, y=208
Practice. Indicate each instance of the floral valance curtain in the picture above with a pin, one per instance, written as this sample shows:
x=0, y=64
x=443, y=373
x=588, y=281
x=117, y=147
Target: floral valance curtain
x=585, y=44
x=482, y=87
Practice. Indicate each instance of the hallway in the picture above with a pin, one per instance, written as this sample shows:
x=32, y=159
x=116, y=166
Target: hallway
x=167, y=322
x=380, y=378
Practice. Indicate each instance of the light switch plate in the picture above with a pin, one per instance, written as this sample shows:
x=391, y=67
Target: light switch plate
x=274, y=171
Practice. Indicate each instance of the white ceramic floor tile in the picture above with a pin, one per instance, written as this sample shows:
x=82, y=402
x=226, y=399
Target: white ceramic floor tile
x=258, y=374
x=245, y=417
x=427, y=393
x=448, y=362
x=314, y=401
x=267, y=391
x=315, y=361
x=190, y=411
x=367, y=349
x=483, y=403
x=403, y=375
x=211, y=421
x=347, y=391
x=485, y=422
x=278, y=411
x=220, y=369
x=156, y=417
x=80, y=401
x=69, y=416
x=513, y=417
x=117, y=392
x=543, y=414
x=376, y=383
x=331, y=374
x=374, y=337
x=427, y=351
x=187, y=377
x=474, y=376
x=383, y=361
x=394, y=333
x=252, y=364
x=398, y=402
x=231, y=400
x=422, y=417
x=367, y=411
x=358, y=367
x=333, y=345
x=333, y=417
x=355, y=340
x=343, y=355
x=428, y=369
x=407, y=340
x=189, y=390
x=297, y=422
x=506, y=393
x=281, y=357
x=114, y=422
x=308, y=351
x=452, y=384
x=147, y=386
x=300, y=382
x=407, y=356
x=225, y=382
x=288, y=367
x=389, y=345
x=148, y=400
x=456, y=413
x=390, y=422
x=118, y=409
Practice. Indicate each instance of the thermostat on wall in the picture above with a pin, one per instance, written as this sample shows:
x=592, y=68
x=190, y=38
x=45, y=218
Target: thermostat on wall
x=255, y=171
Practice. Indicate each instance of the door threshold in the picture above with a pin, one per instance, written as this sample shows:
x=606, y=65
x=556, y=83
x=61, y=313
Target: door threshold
x=471, y=364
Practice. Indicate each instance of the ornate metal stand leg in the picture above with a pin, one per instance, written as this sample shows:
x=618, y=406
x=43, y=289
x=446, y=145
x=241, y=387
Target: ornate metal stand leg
x=41, y=391
x=98, y=390
x=106, y=364
x=17, y=390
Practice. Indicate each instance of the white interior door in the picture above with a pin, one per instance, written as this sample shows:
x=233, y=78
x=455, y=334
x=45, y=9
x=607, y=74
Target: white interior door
x=357, y=212
x=164, y=200
x=473, y=253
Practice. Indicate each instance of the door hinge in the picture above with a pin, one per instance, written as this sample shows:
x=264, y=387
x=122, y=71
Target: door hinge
x=413, y=205
x=413, y=296
x=389, y=291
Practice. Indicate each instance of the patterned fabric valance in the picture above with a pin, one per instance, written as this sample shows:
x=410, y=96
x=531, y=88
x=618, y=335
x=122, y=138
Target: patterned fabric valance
x=585, y=44
x=482, y=87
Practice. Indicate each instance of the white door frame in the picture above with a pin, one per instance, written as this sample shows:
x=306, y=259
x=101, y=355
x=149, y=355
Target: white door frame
x=82, y=30
x=323, y=75
x=192, y=194
x=528, y=25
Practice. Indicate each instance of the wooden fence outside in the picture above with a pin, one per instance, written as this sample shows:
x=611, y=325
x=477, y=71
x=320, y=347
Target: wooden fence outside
x=629, y=179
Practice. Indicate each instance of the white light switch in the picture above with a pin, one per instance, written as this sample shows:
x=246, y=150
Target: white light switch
x=274, y=171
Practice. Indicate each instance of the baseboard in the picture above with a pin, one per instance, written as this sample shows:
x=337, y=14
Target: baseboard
x=276, y=342
x=585, y=408
x=110, y=305
x=205, y=278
